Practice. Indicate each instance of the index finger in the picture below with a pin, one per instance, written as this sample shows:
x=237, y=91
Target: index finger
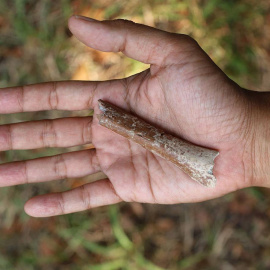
x=67, y=95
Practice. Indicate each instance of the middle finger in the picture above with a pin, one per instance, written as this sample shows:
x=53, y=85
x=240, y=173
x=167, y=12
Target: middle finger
x=64, y=132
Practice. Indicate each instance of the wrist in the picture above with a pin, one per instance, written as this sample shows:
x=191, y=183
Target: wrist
x=260, y=142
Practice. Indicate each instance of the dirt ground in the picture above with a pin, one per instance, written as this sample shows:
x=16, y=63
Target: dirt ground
x=228, y=233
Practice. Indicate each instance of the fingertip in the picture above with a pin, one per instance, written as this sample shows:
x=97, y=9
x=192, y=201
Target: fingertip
x=76, y=20
x=39, y=207
x=85, y=30
x=71, y=22
x=27, y=208
x=92, y=33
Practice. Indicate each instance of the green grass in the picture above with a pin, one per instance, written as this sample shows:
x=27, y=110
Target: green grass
x=35, y=46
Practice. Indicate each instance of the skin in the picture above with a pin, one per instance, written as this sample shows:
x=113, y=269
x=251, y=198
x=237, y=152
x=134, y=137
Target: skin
x=183, y=92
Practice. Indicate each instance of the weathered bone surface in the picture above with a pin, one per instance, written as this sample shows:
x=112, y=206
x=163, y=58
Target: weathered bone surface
x=196, y=161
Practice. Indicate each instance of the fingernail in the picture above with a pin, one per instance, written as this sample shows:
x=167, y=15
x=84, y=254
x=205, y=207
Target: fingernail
x=85, y=18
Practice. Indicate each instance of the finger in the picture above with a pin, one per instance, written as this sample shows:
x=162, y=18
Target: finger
x=140, y=42
x=82, y=198
x=69, y=95
x=68, y=165
x=65, y=132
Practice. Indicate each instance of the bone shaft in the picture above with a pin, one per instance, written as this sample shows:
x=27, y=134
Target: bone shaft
x=196, y=161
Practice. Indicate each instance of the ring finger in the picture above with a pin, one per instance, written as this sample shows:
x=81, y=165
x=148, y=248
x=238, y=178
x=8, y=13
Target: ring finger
x=72, y=164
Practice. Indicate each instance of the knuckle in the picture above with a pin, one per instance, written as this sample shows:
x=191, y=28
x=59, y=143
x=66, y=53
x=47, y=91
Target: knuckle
x=87, y=131
x=93, y=161
x=122, y=22
x=189, y=39
x=48, y=134
x=190, y=42
x=186, y=41
x=25, y=171
x=20, y=97
x=53, y=96
x=9, y=137
x=84, y=196
x=178, y=47
x=92, y=96
x=183, y=37
x=61, y=204
x=60, y=168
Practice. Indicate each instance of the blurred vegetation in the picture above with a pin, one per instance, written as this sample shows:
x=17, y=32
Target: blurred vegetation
x=227, y=233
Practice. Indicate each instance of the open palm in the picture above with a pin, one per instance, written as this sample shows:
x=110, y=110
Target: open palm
x=183, y=92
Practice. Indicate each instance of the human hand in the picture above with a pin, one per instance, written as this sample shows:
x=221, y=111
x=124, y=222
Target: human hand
x=183, y=92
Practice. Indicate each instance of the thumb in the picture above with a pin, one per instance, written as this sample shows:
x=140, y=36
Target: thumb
x=140, y=42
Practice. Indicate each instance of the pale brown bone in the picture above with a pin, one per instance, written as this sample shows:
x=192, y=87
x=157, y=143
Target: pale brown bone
x=196, y=161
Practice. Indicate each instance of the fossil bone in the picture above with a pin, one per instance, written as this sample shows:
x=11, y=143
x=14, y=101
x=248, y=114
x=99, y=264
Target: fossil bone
x=196, y=161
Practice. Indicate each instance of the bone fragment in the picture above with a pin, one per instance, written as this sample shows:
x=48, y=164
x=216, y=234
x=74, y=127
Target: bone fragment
x=196, y=161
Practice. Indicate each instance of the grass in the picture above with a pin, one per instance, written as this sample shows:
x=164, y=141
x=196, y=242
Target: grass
x=36, y=46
